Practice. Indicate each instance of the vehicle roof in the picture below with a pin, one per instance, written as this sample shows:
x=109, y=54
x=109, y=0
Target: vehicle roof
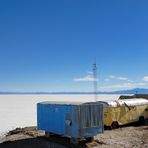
x=133, y=101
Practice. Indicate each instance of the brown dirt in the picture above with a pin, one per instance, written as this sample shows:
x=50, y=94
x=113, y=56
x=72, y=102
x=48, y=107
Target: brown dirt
x=128, y=136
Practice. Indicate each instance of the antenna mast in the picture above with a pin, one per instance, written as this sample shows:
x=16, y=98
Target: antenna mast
x=95, y=80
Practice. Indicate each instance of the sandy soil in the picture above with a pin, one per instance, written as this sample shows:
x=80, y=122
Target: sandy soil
x=124, y=137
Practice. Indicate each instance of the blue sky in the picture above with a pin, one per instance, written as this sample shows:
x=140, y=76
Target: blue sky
x=50, y=45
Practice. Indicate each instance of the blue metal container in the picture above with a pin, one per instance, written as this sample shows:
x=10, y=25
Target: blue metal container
x=76, y=120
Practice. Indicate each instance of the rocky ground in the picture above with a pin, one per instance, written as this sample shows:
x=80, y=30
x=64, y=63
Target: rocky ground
x=131, y=136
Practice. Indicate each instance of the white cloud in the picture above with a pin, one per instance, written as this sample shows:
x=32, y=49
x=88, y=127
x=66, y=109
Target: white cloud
x=119, y=78
x=119, y=86
x=145, y=78
x=90, y=72
x=106, y=79
x=122, y=78
x=87, y=78
x=112, y=77
x=141, y=84
x=128, y=85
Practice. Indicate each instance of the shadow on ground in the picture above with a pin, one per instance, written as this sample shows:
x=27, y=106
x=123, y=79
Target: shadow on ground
x=38, y=142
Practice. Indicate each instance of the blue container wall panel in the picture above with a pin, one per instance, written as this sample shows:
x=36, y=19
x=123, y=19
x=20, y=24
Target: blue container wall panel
x=52, y=118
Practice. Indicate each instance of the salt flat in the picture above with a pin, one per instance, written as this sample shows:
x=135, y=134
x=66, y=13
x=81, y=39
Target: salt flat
x=20, y=110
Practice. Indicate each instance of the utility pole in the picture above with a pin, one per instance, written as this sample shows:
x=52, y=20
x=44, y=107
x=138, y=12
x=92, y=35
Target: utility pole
x=95, y=80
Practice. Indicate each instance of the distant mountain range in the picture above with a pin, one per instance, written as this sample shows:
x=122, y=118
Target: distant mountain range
x=131, y=91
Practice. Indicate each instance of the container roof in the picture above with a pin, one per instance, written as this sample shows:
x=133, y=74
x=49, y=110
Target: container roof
x=67, y=103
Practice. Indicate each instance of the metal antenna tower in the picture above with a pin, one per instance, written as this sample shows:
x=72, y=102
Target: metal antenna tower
x=95, y=79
